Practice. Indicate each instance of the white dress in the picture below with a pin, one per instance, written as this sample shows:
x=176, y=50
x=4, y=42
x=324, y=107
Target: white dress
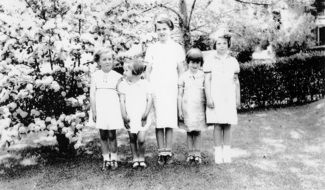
x=164, y=58
x=223, y=88
x=135, y=103
x=108, y=109
x=193, y=101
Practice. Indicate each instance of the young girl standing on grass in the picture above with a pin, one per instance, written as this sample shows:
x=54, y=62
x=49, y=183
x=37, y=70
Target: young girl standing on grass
x=191, y=103
x=165, y=63
x=136, y=102
x=222, y=91
x=105, y=106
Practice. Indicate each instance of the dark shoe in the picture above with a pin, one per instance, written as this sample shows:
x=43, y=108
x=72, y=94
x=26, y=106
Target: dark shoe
x=198, y=160
x=106, y=165
x=190, y=158
x=161, y=160
x=169, y=159
x=135, y=164
x=114, y=165
x=142, y=164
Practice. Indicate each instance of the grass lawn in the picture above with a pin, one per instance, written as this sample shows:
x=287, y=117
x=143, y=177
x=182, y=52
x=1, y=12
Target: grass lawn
x=272, y=149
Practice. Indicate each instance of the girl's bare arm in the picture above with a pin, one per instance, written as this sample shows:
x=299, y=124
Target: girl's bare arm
x=236, y=79
x=207, y=88
x=179, y=101
x=93, y=98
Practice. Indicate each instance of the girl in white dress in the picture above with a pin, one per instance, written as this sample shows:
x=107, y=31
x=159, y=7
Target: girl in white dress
x=191, y=103
x=105, y=106
x=136, y=102
x=222, y=93
x=165, y=61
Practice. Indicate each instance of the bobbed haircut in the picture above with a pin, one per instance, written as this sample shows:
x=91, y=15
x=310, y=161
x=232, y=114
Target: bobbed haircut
x=136, y=66
x=164, y=20
x=99, y=53
x=221, y=33
x=194, y=55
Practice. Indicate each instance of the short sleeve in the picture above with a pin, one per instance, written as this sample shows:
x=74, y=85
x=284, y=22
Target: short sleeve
x=147, y=87
x=148, y=58
x=116, y=79
x=121, y=87
x=207, y=66
x=180, y=53
x=93, y=78
x=236, y=66
x=181, y=81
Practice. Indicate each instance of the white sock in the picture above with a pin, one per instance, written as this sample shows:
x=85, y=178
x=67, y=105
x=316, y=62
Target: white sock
x=106, y=157
x=218, y=154
x=114, y=156
x=227, y=154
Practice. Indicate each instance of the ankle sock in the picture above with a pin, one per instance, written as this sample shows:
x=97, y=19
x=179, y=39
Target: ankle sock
x=106, y=157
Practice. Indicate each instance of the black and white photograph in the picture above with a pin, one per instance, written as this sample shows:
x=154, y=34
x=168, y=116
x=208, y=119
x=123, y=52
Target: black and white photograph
x=162, y=94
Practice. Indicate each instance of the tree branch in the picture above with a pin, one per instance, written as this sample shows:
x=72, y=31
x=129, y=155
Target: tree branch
x=208, y=4
x=171, y=9
x=254, y=2
x=198, y=27
x=191, y=13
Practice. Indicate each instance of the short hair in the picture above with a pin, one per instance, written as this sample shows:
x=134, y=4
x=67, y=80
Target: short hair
x=136, y=65
x=194, y=55
x=99, y=53
x=164, y=20
x=222, y=33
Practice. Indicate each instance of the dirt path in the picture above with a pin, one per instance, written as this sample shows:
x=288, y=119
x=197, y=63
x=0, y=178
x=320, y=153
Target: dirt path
x=275, y=149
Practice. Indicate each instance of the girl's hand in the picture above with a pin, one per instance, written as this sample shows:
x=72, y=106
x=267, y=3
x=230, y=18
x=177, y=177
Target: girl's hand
x=94, y=116
x=126, y=122
x=210, y=103
x=144, y=120
x=238, y=104
x=180, y=116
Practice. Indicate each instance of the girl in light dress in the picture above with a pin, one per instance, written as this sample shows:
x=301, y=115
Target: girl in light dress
x=136, y=102
x=165, y=63
x=105, y=106
x=191, y=103
x=222, y=91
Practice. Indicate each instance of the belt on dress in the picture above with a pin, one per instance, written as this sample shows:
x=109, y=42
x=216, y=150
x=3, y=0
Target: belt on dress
x=107, y=88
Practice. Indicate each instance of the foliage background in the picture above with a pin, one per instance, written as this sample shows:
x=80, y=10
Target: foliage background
x=46, y=49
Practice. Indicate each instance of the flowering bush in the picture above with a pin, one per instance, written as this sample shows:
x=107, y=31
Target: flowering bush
x=55, y=103
x=46, y=51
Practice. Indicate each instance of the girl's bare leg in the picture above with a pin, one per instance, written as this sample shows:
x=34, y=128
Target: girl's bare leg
x=160, y=138
x=218, y=138
x=226, y=143
x=133, y=145
x=141, y=145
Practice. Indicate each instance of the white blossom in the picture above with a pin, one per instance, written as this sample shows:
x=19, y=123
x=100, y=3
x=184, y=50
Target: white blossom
x=55, y=86
x=12, y=106
x=4, y=95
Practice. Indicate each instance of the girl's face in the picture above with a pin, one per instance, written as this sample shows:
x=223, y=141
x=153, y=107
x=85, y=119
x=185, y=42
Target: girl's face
x=106, y=62
x=127, y=72
x=163, y=31
x=194, y=66
x=222, y=45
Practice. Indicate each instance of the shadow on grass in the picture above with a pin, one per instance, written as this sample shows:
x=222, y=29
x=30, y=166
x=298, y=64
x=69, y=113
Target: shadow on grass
x=274, y=149
x=48, y=159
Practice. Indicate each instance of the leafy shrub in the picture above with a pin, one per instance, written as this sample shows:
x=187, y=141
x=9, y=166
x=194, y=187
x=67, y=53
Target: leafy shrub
x=292, y=80
x=56, y=103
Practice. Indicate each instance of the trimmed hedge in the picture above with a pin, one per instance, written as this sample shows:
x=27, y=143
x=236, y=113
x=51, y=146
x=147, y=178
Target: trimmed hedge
x=292, y=80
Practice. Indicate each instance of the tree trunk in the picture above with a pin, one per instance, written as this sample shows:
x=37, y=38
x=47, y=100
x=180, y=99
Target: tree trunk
x=65, y=147
x=185, y=25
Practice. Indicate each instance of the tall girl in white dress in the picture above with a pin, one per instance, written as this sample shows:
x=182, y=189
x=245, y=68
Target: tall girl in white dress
x=222, y=91
x=105, y=106
x=165, y=63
